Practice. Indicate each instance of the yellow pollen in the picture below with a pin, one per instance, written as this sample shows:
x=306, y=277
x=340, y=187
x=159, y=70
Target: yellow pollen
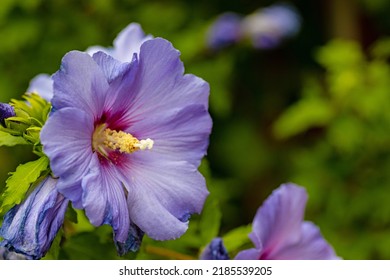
x=125, y=142
x=105, y=140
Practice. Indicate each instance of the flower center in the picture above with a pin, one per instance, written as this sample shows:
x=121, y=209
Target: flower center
x=105, y=140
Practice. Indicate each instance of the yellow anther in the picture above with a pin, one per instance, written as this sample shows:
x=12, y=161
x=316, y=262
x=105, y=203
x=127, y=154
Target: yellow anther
x=105, y=139
x=124, y=142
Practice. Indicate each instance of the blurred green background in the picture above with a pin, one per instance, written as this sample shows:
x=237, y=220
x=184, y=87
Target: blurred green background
x=314, y=111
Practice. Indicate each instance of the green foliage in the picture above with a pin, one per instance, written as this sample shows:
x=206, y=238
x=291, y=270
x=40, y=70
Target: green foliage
x=220, y=99
x=307, y=113
x=96, y=245
x=20, y=181
x=376, y=6
x=381, y=48
x=25, y=127
x=15, y=38
x=241, y=149
x=345, y=166
x=7, y=139
x=237, y=238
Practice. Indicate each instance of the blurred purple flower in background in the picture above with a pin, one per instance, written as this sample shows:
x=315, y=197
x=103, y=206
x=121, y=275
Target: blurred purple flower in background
x=42, y=84
x=225, y=31
x=279, y=232
x=6, y=111
x=126, y=140
x=30, y=227
x=125, y=45
x=268, y=27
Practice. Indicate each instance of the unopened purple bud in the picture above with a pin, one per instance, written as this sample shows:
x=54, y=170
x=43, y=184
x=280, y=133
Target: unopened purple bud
x=6, y=111
x=215, y=251
x=29, y=228
x=6, y=254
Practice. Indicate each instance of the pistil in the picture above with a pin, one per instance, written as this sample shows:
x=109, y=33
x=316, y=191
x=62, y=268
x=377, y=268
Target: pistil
x=105, y=139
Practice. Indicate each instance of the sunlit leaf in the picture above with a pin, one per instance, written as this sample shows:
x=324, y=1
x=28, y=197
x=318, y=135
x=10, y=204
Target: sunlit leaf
x=305, y=114
x=7, y=139
x=20, y=181
x=237, y=238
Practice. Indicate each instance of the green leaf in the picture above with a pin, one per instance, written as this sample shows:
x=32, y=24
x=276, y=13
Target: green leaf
x=31, y=115
x=33, y=110
x=90, y=246
x=7, y=139
x=307, y=113
x=19, y=182
x=17, y=125
x=237, y=238
x=32, y=134
x=21, y=108
x=340, y=54
x=19, y=120
x=210, y=220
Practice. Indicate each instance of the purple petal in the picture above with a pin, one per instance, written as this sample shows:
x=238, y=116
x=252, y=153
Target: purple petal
x=126, y=44
x=278, y=221
x=95, y=49
x=162, y=194
x=121, y=77
x=80, y=83
x=111, y=67
x=129, y=41
x=280, y=233
x=178, y=135
x=42, y=84
x=6, y=254
x=311, y=246
x=147, y=96
x=133, y=241
x=30, y=228
x=250, y=254
x=161, y=85
x=215, y=251
x=66, y=139
x=104, y=199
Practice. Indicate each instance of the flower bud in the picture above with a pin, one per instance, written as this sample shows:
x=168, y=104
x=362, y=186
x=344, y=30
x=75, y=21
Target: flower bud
x=6, y=111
